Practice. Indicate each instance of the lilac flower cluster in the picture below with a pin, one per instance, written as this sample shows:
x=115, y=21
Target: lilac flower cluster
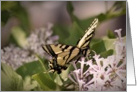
x=15, y=56
x=41, y=37
x=102, y=74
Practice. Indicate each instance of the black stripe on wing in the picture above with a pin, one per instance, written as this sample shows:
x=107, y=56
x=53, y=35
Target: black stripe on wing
x=49, y=50
x=57, y=48
x=67, y=56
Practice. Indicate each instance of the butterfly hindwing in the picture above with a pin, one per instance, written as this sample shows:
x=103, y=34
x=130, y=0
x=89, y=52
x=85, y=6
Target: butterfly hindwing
x=67, y=56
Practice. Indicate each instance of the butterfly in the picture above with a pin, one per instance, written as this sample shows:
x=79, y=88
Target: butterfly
x=62, y=55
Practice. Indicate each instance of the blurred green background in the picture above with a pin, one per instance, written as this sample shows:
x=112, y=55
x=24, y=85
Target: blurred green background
x=35, y=14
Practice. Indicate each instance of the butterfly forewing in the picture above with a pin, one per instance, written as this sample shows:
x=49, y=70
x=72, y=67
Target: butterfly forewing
x=56, y=49
x=89, y=33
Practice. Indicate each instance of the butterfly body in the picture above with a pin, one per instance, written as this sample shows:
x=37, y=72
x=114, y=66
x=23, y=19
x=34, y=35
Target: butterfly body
x=62, y=55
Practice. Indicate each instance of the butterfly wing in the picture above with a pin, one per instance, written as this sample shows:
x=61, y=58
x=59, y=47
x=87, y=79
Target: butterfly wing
x=89, y=33
x=54, y=49
x=68, y=56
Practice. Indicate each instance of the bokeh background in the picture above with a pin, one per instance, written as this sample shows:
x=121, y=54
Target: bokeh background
x=32, y=15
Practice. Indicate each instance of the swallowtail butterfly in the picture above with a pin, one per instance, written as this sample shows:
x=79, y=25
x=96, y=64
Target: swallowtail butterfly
x=63, y=54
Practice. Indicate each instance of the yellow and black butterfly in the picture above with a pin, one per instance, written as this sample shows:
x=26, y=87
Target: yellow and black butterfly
x=63, y=54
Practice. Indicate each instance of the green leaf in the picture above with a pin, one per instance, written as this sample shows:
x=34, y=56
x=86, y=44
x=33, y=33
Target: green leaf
x=68, y=35
x=10, y=80
x=46, y=82
x=29, y=69
x=98, y=47
x=22, y=15
x=19, y=36
x=70, y=8
x=6, y=8
x=61, y=31
x=109, y=43
x=15, y=9
x=93, y=41
x=106, y=53
x=75, y=33
x=118, y=9
x=111, y=34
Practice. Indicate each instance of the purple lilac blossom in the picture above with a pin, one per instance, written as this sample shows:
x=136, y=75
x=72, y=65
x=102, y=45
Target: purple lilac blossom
x=16, y=56
x=107, y=74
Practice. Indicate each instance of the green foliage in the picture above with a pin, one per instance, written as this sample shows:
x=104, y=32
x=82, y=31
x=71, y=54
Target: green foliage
x=5, y=10
x=109, y=43
x=10, y=80
x=98, y=47
x=14, y=9
x=74, y=34
x=45, y=81
x=29, y=69
x=7, y=5
x=110, y=34
x=70, y=9
x=19, y=36
x=106, y=53
x=61, y=31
